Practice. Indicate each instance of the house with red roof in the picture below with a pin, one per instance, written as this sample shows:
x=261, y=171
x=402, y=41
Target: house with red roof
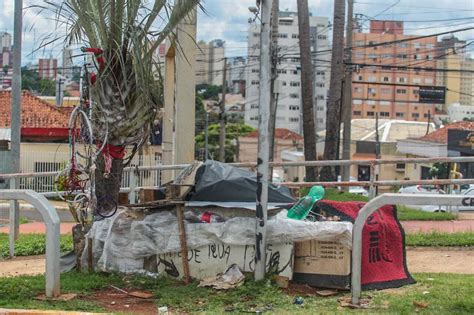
x=40, y=121
x=456, y=139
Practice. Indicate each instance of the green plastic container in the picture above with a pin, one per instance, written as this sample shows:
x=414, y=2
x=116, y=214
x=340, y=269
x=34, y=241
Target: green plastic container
x=301, y=209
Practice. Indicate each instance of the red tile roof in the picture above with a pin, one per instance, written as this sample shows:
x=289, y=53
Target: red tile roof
x=35, y=113
x=280, y=133
x=441, y=135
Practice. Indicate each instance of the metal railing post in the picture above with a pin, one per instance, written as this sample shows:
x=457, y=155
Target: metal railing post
x=133, y=184
x=51, y=220
x=14, y=220
x=369, y=208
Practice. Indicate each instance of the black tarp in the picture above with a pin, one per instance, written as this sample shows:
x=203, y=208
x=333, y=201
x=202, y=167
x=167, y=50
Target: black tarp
x=220, y=182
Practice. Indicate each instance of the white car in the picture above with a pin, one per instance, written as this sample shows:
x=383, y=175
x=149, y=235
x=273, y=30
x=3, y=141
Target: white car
x=430, y=189
x=357, y=190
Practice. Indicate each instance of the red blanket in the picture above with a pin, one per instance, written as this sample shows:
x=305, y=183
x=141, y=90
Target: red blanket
x=383, y=244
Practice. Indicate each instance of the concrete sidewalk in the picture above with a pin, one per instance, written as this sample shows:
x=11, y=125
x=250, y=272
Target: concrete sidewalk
x=39, y=228
x=438, y=226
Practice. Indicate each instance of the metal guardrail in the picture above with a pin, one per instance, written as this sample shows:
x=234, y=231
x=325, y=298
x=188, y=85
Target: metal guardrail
x=369, y=208
x=51, y=220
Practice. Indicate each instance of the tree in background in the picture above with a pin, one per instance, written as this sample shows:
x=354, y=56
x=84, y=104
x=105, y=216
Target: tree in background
x=232, y=132
x=31, y=81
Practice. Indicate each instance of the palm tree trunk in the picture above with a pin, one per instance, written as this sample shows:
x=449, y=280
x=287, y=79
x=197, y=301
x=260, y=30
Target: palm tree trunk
x=333, y=118
x=108, y=187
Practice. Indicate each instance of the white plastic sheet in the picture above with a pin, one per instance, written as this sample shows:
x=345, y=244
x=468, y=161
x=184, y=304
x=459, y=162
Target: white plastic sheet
x=121, y=243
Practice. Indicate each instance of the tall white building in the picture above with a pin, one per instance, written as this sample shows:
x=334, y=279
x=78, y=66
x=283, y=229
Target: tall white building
x=67, y=63
x=6, y=41
x=289, y=108
x=210, y=62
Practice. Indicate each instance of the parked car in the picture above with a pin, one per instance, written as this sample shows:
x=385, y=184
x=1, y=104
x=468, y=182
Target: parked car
x=358, y=190
x=467, y=190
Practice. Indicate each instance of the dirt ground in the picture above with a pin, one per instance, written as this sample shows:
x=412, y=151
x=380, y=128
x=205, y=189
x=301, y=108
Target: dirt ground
x=117, y=302
x=28, y=265
x=448, y=260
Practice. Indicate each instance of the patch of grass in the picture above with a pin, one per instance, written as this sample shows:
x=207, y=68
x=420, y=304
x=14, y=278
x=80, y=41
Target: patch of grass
x=408, y=214
x=337, y=195
x=437, y=239
x=24, y=220
x=447, y=294
x=32, y=244
x=19, y=292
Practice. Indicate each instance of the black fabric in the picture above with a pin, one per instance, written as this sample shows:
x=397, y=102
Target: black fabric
x=220, y=182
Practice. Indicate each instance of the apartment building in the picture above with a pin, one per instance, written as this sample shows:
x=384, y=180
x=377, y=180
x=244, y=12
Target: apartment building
x=48, y=68
x=459, y=85
x=210, y=62
x=382, y=84
x=289, y=108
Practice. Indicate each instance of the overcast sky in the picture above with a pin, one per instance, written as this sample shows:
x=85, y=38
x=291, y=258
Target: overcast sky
x=228, y=20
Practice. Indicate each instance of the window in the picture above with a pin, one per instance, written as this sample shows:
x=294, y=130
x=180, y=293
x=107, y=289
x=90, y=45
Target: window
x=359, y=55
x=322, y=37
x=370, y=102
x=253, y=106
x=384, y=114
x=359, y=43
x=372, y=42
x=372, y=79
x=429, y=57
x=401, y=91
x=320, y=73
x=357, y=113
x=370, y=114
x=417, y=45
x=357, y=102
x=283, y=83
x=254, y=118
x=416, y=92
x=295, y=36
x=255, y=71
x=384, y=103
x=428, y=80
x=399, y=114
x=386, y=79
x=320, y=84
x=256, y=34
x=429, y=46
x=386, y=90
x=294, y=119
x=416, y=57
x=360, y=78
x=255, y=82
x=320, y=97
x=428, y=115
x=387, y=55
x=386, y=68
x=402, y=45
x=294, y=83
x=372, y=90
x=295, y=72
x=416, y=80
x=282, y=35
x=320, y=108
x=401, y=79
x=294, y=107
x=294, y=95
x=415, y=115
x=358, y=89
x=400, y=166
x=373, y=56
x=402, y=56
x=281, y=71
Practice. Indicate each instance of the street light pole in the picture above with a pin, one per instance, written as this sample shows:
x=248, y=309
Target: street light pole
x=263, y=140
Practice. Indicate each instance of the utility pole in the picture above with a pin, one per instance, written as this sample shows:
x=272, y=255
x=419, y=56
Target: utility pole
x=347, y=100
x=222, y=117
x=274, y=95
x=206, y=138
x=309, y=130
x=15, y=127
x=333, y=114
x=375, y=189
x=263, y=141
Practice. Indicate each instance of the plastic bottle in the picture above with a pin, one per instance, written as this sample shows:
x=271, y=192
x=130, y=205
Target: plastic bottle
x=301, y=209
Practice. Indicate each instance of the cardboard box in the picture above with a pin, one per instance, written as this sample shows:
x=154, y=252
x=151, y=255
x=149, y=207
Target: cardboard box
x=322, y=264
x=208, y=261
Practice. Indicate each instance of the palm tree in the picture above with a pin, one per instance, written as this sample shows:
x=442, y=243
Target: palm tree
x=333, y=114
x=128, y=90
